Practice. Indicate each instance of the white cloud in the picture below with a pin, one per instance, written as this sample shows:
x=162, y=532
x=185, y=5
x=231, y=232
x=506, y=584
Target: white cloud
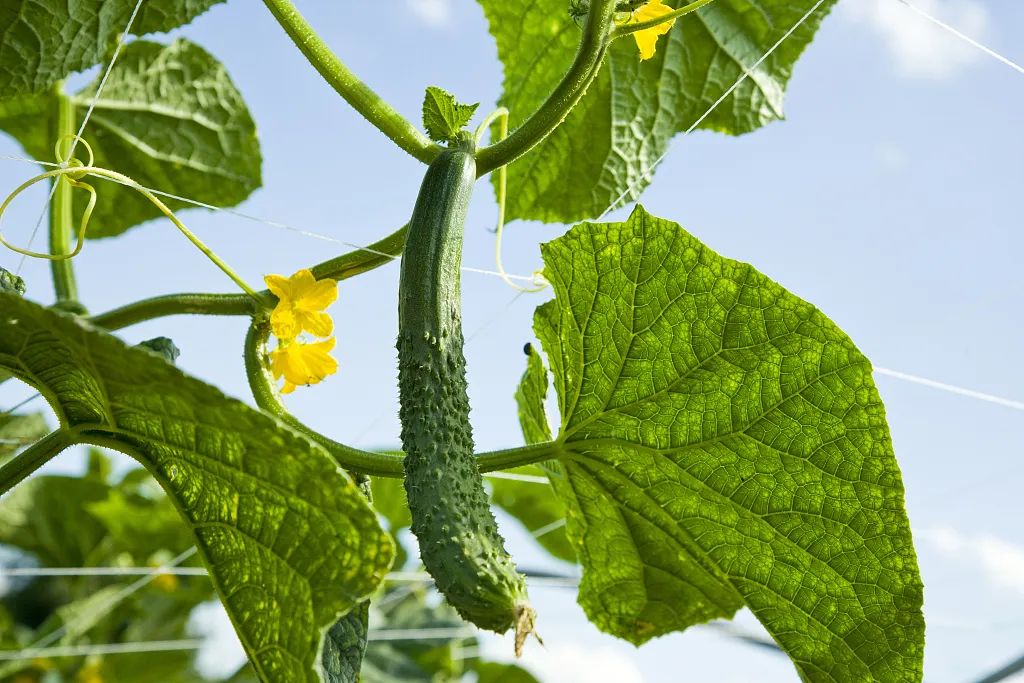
x=919, y=48
x=1000, y=560
x=573, y=663
x=435, y=13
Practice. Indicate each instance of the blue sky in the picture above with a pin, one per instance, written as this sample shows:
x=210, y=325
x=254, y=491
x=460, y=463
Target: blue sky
x=889, y=198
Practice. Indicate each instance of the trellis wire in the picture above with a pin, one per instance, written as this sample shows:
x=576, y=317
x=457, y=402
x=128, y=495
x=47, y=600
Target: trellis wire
x=32, y=650
x=645, y=176
x=964, y=37
x=81, y=129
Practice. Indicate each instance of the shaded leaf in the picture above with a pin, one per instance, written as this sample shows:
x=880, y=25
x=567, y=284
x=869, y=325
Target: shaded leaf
x=631, y=111
x=726, y=446
x=289, y=540
x=43, y=41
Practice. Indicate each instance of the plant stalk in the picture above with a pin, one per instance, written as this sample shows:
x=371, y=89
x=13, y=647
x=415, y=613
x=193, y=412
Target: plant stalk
x=18, y=468
x=342, y=267
x=589, y=56
x=362, y=98
x=62, y=211
x=627, y=29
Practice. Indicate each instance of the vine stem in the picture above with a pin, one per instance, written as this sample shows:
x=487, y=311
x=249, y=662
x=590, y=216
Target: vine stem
x=61, y=211
x=265, y=392
x=18, y=468
x=593, y=46
x=66, y=175
x=362, y=98
x=627, y=29
x=342, y=267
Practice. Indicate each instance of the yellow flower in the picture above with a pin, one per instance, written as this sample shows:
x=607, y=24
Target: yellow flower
x=165, y=582
x=90, y=673
x=647, y=40
x=301, y=363
x=301, y=302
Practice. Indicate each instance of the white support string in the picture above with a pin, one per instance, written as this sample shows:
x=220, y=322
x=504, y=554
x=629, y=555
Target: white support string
x=964, y=37
x=532, y=279
x=32, y=650
x=81, y=129
x=951, y=388
x=106, y=649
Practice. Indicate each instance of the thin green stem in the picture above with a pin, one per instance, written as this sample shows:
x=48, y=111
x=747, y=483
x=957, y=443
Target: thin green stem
x=18, y=468
x=380, y=253
x=268, y=398
x=362, y=98
x=265, y=392
x=342, y=267
x=61, y=212
x=627, y=29
x=176, y=304
x=589, y=56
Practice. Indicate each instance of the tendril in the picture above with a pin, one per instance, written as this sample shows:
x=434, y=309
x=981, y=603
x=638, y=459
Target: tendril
x=71, y=171
x=501, y=115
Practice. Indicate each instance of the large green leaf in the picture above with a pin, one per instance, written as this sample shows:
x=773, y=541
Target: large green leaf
x=43, y=41
x=170, y=118
x=724, y=445
x=289, y=540
x=632, y=109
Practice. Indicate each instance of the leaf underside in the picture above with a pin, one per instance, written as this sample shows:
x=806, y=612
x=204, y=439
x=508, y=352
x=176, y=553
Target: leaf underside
x=610, y=141
x=289, y=540
x=726, y=446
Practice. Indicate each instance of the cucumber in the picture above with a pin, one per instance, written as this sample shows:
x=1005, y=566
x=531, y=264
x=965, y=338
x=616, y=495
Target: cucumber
x=451, y=517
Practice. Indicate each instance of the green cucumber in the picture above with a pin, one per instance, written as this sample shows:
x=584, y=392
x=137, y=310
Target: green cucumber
x=451, y=517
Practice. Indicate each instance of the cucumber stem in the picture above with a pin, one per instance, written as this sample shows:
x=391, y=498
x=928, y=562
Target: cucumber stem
x=362, y=98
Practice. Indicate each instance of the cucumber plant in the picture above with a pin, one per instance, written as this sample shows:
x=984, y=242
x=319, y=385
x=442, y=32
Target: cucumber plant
x=721, y=443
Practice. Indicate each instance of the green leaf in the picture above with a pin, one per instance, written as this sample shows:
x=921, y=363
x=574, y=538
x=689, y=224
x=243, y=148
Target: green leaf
x=421, y=660
x=43, y=41
x=289, y=540
x=36, y=517
x=534, y=505
x=17, y=430
x=345, y=646
x=495, y=672
x=631, y=111
x=724, y=446
x=530, y=396
x=444, y=116
x=169, y=118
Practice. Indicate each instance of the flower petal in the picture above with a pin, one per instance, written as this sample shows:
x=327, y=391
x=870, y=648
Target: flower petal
x=319, y=296
x=314, y=322
x=302, y=281
x=647, y=40
x=285, y=323
x=279, y=286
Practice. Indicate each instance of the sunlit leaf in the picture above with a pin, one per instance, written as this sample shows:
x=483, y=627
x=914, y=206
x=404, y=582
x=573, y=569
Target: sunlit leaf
x=725, y=446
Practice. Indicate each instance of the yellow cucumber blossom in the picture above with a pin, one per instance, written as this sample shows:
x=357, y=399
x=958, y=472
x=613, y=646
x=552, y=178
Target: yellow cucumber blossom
x=647, y=40
x=301, y=303
x=300, y=363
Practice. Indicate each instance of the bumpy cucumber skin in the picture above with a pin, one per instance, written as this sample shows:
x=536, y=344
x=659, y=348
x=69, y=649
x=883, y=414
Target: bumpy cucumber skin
x=458, y=536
